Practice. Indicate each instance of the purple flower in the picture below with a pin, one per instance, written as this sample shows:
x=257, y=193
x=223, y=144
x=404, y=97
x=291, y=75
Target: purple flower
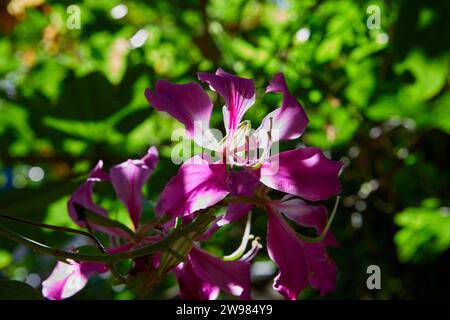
x=127, y=178
x=204, y=181
x=304, y=172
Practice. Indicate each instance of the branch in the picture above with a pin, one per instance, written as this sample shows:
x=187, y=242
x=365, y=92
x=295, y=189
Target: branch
x=56, y=228
x=202, y=221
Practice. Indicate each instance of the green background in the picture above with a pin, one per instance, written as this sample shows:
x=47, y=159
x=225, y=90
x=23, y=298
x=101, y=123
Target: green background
x=377, y=99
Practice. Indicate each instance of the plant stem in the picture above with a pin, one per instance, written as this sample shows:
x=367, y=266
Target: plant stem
x=56, y=228
x=239, y=252
x=203, y=219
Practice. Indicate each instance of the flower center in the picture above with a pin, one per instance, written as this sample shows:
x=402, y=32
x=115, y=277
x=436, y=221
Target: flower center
x=244, y=147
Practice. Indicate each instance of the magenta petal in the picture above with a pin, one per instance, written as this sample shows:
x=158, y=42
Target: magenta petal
x=232, y=277
x=81, y=200
x=287, y=251
x=188, y=103
x=306, y=215
x=322, y=270
x=193, y=287
x=235, y=212
x=69, y=278
x=199, y=184
x=129, y=177
x=242, y=183
x=287, y=122
x=300, y=263
x=239, y=183
x=304, y=172
x=83, y=196
x=238, y=93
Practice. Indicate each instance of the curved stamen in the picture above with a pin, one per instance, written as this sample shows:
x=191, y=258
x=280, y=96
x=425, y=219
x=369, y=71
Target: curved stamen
x=266, y=151
x=241, y=249
x=256, y=246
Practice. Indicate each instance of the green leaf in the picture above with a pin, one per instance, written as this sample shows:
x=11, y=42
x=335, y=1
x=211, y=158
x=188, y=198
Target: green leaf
x=430, y=76
x=329, y=49
x=5, y=258
x=425, y=232
x=16, y=290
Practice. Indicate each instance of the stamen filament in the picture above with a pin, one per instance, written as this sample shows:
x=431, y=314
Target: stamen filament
x=327, y=227
x=241, y=249
x=256, y=245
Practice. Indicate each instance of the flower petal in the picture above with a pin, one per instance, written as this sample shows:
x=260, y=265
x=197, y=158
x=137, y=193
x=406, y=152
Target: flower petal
x=239, y=183
x=188, y=103
x=322, y=269
x=287, y=251
x=69, y=278
x=83, y=196
x=199, y=184
x=129, y=177
x=305, y=215
x=304, y=172
x=191, y=286
x=300, y=263
x=287, y=122
x=239, y=94
x=232, y=277
x=81, y=200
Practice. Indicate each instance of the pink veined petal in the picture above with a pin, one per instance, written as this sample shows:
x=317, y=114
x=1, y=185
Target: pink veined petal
x=305, y=215
x=304, y=172
x=81, y=200
x=69, y=278
x=129, y=177
x=232, y=277
x=300, y=263
x=191, y=286
x=238, y=93
x=199, y=184
x=287, y=122
x=188, y=103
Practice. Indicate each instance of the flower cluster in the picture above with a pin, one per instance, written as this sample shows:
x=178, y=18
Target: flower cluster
x=243, y=176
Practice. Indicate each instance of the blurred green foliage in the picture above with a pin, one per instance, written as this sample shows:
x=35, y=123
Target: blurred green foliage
x=424, y=231
x=378, y=100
